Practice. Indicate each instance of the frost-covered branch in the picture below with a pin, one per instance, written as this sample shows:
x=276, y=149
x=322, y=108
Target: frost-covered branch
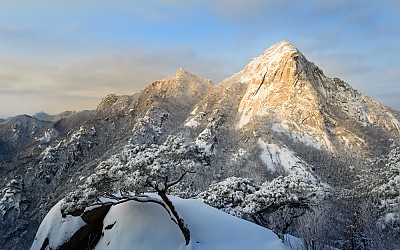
x=139, y=169
x=172, y=183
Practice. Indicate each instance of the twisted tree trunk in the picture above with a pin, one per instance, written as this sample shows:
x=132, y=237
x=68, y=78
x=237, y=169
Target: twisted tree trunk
x=178, y=220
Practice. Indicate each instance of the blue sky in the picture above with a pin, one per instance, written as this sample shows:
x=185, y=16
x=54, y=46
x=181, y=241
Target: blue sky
x=67, y=55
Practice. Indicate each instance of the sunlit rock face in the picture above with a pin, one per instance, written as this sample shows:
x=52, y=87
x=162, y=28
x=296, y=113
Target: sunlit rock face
x=278, y=87
x=285, y=87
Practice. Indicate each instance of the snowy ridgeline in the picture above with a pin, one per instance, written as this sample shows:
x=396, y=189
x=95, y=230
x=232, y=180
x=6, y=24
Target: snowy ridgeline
x=134, y=225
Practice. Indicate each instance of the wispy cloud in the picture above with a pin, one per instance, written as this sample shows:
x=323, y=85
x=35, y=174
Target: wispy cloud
x=88, y=79
x=14, y=31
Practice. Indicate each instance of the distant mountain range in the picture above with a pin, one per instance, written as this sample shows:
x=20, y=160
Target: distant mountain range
x=52, y=118
x=279, y=116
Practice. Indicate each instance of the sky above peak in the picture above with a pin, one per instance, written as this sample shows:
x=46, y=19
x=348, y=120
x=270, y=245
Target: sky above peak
x=57, y=56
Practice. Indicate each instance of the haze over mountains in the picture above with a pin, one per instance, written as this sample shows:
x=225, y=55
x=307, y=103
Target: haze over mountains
x=280, y=117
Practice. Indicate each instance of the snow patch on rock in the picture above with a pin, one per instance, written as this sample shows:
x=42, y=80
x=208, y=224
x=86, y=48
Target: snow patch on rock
x=304, y=138
x=244, y=119
x=194, y=111
x=205, y=141
x=192, y=123
x=274, y=156
x=56, y=229
x=48, y=135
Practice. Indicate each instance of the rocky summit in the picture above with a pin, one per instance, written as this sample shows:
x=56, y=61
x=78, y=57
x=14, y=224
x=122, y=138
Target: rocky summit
x=295, y=94
x=280, y=117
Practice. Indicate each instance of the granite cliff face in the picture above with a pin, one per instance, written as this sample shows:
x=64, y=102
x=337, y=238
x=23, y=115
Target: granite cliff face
x=279, y=116
x=295, y=94
x=183, y=87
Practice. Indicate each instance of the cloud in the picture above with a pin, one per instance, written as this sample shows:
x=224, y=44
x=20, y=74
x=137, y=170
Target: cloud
x=15, y=36
x=134, y=68
x=82, y=83
x=250, y=11
x=14, y=31
x=230, y=7
x=7, y=78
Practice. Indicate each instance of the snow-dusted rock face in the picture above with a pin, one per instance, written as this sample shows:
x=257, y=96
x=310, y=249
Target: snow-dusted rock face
x=277, y=86
x=18, y=133
x=184, y=86
x=283, y=86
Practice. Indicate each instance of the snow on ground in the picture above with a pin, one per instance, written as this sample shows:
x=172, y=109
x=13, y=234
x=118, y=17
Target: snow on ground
x=48, y=136
x=244, y=119
x=204, y=140
x=274, y=156
x=214, y=229
x=240, y=154
x=192, y=123
x=283, y=128
x=148, y=226
x=134, y=225
x=56, y=228
x=140, y=226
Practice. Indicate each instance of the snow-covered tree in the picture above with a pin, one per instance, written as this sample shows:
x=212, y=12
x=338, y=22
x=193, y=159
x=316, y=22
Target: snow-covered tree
x=139, y=169
x=288, y=197
x=278, y=202
x=282, y=190
x=10, y=198
x=389, y=193
x=229, y=195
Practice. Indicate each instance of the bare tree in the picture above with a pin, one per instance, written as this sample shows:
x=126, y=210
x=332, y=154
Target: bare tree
x=313, y=229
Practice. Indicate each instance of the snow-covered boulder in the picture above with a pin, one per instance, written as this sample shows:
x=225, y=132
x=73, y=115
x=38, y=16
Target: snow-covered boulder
x=135, y=225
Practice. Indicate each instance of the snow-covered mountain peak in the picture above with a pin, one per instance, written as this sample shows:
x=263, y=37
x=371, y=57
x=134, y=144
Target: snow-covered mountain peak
x=182, y=84
x=278, y=85
x=181, y=73
x=268, y=63
x=107, y=101
x=281, y=49
x=182, y=77
x=284, y=86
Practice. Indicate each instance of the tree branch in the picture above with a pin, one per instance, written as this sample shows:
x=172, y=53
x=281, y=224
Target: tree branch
x=139, y=198
x=172, y=183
